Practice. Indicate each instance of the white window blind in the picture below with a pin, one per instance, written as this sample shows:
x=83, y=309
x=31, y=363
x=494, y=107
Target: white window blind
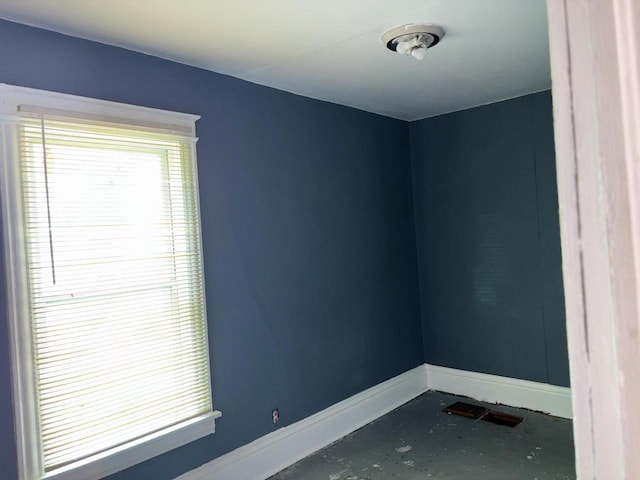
x=115, y=284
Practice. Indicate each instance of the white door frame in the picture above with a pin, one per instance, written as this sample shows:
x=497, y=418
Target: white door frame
x=595, y=65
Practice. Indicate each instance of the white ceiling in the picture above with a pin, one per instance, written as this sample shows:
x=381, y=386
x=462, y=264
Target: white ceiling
x=327, y=49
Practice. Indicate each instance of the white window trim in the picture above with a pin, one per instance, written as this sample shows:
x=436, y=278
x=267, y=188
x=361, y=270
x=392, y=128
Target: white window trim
x=22, y=368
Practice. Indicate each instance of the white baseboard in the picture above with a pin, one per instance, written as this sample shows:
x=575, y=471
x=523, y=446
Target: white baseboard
x=514, y=392
x=275, y=451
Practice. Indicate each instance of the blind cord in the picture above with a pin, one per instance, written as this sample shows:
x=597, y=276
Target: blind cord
x=46, y=186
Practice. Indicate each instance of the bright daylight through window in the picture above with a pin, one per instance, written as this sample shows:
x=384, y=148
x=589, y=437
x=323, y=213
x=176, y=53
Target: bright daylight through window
x=106, y=285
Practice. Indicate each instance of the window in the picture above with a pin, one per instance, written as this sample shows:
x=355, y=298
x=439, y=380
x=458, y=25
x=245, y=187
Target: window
x=106, y=284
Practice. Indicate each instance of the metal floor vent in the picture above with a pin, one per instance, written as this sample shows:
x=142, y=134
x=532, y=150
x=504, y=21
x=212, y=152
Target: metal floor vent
x=476, y=411
x=466, y=410
x=500, y=418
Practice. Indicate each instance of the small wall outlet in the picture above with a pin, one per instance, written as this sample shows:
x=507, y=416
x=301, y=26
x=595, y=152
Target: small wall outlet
x=275, y=415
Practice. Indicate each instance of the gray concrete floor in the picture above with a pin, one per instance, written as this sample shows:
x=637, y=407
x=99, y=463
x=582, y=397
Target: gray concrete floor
x=419, y=441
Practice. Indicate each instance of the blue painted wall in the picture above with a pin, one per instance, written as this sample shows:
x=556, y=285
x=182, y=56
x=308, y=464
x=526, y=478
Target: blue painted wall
x=308, y=234
x=310, y=240
x=488, y=240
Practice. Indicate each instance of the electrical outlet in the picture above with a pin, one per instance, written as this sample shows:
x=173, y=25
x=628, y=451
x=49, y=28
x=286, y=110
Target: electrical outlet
x=275, y=415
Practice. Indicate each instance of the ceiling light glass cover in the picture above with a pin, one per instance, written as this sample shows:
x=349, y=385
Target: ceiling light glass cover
x=412, y=39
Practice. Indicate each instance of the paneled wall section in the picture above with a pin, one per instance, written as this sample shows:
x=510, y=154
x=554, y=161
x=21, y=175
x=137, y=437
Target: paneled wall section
x=488, y=240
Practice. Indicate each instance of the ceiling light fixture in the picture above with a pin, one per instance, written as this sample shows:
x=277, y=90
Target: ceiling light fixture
x=412, y=39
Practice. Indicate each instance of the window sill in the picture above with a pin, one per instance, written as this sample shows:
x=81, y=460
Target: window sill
x=137, y=451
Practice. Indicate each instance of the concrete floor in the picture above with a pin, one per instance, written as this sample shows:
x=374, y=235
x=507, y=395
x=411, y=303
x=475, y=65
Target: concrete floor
x=419, y=441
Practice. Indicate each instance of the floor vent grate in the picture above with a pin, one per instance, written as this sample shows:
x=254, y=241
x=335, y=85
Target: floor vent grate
x=466, y=410
x=500, y=418
x=476, y=411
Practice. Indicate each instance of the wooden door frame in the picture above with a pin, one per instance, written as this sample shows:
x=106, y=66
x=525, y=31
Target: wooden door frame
x=595, y=65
